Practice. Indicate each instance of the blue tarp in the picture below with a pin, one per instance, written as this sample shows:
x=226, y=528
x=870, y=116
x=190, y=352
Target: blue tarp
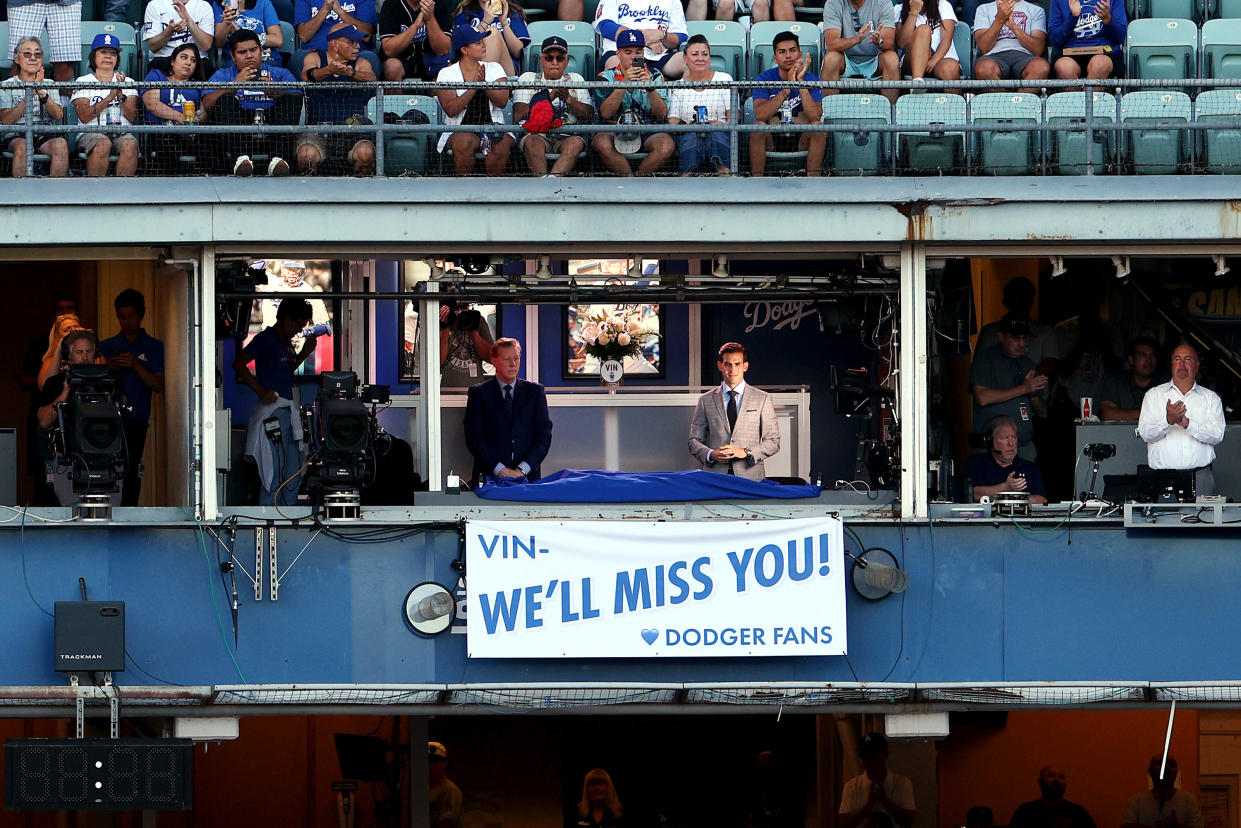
x=573, y=486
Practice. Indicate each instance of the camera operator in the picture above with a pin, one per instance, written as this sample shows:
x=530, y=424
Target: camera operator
x=464, y=336
x=78, y=348
x=1000, y=469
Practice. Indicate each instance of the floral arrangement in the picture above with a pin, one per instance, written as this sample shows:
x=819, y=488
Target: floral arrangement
x=614, y=337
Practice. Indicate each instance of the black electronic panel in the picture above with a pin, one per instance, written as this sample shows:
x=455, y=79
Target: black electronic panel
x=98, y=774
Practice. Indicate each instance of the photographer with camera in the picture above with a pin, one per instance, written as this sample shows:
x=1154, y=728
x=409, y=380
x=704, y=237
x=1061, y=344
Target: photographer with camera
x=464, y=337
x=1000, y=469
x=78, y=348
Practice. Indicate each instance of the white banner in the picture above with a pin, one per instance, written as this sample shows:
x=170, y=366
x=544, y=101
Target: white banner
x=643, y=589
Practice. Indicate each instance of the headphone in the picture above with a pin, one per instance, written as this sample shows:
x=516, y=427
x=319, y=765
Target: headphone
x=80, y=333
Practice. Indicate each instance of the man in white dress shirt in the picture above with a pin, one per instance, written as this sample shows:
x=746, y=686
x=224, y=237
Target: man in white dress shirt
x=1182, y=422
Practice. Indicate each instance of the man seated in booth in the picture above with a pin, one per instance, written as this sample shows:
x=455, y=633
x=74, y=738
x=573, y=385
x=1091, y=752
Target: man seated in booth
x=1000, y=469
x=1120, y=396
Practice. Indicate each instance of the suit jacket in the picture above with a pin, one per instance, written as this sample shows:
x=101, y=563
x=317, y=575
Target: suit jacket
x=756, y=430
x=494, y=438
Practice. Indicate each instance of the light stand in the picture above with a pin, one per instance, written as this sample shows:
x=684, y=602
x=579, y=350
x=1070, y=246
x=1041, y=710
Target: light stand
x=1096, y=453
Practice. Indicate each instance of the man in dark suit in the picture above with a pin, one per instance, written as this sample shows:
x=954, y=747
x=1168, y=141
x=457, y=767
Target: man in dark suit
x=506, y=424
x=737, y=419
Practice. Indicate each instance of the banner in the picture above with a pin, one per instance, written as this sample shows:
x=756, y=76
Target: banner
x=644, y=589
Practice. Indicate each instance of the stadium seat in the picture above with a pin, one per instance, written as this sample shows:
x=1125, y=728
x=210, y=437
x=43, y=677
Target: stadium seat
x=1067, y=149
x=407, y=153
x=1221, y=49
x=1178, y=9
x=1228, y=9
x=580, y=37
x=1007, y=152
x=808, y=36
x=1220, y=149
x=124, y=33
x=930, y=150
x=857, y=153
x=963, y=39
x=728, y=45
x=290, y=41
x=1156, y=151
x=777, y=162
x=1161, y=48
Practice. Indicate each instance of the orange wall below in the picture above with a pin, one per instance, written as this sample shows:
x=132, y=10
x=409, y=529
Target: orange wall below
x=1103, y=755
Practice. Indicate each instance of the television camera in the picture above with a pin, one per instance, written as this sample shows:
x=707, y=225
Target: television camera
x=345, y=434
x=89, y=441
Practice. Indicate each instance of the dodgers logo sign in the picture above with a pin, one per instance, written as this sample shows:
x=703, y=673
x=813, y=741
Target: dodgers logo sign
x=649, y=589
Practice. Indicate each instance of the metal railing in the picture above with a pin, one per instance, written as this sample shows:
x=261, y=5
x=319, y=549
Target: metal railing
x=961, y=135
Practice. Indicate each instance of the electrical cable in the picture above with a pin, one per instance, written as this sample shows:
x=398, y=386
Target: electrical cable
x=202, y=542
x=25, y=577
x=151, y=676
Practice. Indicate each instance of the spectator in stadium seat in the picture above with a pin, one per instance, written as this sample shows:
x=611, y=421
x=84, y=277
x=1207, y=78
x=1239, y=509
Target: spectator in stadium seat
x=167, y=105
x=924, y=31
x=411, y=41
x=473, y=106
x=244, y=106
x=313, y=19
x=61, y=19
x=28, y=58
x=339, y=64
x=1162, y=805
x=259, y=16
x=106, y=107
x=1090, y=35
x=1051, y=809
x=1011, y=36
x=504, y=23
x=660, y=25
x=628, y=106
x=774, y=105
x=169, y=23
x=569, y=105
x=699, y=149
x=859, y=41
x=724, y=9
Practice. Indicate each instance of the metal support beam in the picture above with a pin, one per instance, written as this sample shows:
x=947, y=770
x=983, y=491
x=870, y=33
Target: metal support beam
x=912, y=381
x=429, y=358
x=206, y=504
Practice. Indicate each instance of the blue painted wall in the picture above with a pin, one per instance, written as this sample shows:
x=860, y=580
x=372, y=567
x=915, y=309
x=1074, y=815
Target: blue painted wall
x=985, y=604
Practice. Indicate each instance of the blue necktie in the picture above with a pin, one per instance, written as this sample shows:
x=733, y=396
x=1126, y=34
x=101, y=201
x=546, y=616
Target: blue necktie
x=732, y=410
x=508, y=401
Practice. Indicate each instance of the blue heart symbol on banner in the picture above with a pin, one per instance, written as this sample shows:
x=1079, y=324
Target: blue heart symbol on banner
x=649, y=636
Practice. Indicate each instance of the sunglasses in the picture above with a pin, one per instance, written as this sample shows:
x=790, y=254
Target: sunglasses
x=555, y=58
x=30, y=54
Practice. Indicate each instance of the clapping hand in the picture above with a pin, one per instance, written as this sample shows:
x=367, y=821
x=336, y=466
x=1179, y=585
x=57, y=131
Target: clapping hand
x=802, y=68
x=1104, y=9
x=915, y=7
x=1176, y=413
x=1034, y=383
x=1016, y=482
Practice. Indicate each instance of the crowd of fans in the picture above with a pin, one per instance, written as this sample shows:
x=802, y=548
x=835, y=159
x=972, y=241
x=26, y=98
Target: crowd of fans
x=237, y=42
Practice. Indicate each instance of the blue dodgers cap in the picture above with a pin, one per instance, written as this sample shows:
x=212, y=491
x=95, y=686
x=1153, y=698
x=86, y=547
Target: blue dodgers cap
x=630, y=37
x=350, y=32
x=463, y=35
x=105, y=41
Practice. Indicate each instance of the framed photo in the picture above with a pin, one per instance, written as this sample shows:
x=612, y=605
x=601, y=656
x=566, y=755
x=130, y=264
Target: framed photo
x=310, y=277
x=649, y=362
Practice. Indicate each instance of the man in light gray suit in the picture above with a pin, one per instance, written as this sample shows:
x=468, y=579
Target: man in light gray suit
x=737, y=419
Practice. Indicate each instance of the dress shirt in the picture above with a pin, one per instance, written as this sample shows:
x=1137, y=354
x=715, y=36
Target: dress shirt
x=523, y=465
x=1144, y=809
x=740, y=389
x=1171, y=446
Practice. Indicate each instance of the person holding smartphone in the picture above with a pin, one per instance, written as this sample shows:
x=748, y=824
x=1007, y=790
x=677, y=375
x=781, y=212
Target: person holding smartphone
x=258, y=16
x=633, y=105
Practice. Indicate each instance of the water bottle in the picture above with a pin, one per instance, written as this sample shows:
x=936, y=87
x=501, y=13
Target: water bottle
x=114, y=115
x=322, y=329
x=484, y=143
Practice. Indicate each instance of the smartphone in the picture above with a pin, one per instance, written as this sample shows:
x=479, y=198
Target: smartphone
x=497, y=8
x=639, y=62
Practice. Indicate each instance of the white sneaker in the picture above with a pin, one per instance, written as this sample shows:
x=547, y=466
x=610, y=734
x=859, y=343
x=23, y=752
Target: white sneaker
x=243, y=166
x=278, y=168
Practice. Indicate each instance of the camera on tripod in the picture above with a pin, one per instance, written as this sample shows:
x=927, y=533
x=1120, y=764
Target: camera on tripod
x=346, y=432
x=91, y=440
x=1098, y=452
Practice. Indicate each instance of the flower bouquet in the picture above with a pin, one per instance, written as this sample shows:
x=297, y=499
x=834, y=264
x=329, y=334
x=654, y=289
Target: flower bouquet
x=614, y=336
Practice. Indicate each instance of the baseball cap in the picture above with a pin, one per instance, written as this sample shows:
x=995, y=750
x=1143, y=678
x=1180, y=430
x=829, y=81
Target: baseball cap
x=555, y=42
x=1015, y=326
x=463, y=35
x=104, y=40
x=350, y=32
x=294, y=264
x=872, y=745
x=630, y=37
x=436, y=750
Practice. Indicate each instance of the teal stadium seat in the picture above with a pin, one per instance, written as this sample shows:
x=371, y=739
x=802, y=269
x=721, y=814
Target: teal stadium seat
x=1220, y=55
x=1220, y=148
x=931, y=150
x=860, y=152
x=580, y=37
x=1007, y=151
x=408, y=153
x=728, y=45
x=124, y=33
x=1156, y=151
x=808, y=35
x=1067, y=145
x=290, y=40
x=777, y=162
x=1228, y=9
x=1178, y=9
x=963, y=39
x=1162, y=49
